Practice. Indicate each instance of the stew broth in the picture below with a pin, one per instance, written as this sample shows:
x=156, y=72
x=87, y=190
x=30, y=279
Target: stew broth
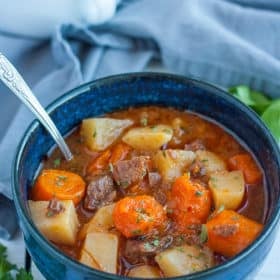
x=188, y=129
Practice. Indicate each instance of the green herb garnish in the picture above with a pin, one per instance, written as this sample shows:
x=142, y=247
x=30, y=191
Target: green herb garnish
x=10, y=271
x=111, y=167
x=156, y=242
x=94, y=134
x=220, y=209
x=144, y=121
x=203, y=234
x=198, y=193
x=136, y=231
x=56, y=162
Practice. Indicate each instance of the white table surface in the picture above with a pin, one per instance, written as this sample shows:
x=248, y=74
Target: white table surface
x=269, y=271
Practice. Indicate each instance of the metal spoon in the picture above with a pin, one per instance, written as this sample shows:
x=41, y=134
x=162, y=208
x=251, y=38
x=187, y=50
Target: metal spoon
x=14, y=81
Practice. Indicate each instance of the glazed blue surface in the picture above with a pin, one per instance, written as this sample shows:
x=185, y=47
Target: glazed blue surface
x=118, y=92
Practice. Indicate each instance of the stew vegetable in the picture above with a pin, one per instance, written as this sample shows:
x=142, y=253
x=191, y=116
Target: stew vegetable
x=151, y=192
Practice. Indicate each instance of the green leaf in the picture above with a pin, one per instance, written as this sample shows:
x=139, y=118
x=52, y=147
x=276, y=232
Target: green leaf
x=256, y=100
x=23, y=275
x=271, y=117
x=7, y=269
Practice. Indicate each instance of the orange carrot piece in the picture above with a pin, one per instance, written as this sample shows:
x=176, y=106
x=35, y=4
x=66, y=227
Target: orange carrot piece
x=191, y=203
x=120, y=151
x=61, y=184
x=138, y=215
x=229, y=232
x=100, y=162
x=246, y=164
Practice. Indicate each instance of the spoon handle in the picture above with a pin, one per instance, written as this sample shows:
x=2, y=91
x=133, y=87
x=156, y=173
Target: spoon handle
x=14, y=81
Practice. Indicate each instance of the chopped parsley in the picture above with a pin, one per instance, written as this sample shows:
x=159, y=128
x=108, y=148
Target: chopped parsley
x=221, y=209
x=94, y=134
x=56, y=162
x=203, y=234
x=198, y=193
x=124, y=184
x=144, y=121
x=111, y=167
x=169, y=131
x=148, y=246
x=60, y=180
x=156, y=242
x=136, y=231
x=235, y=218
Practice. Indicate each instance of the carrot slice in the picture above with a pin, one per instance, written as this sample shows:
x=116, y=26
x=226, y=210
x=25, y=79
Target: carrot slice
x=229, y=232
x=120, y=151
x=99, y=163
x=190, y=203
x=246, y=164
x=61, y=184
x=138, y=215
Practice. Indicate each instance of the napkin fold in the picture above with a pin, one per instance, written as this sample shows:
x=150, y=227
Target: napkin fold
x=225, y=42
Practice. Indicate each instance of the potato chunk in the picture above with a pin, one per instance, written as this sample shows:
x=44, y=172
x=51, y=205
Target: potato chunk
x=211, y=161
x=144, y=271
x=99, y=133
x=184, y=260
x=103, y=248
x=88, y=260
x=102, y=221
x=61, y=228
x=172, y=163
x=148, y=138
x=227, y=189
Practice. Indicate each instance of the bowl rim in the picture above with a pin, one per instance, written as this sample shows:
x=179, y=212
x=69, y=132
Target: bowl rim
x=73, y=93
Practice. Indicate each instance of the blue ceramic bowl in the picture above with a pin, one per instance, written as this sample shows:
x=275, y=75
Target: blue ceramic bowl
x=118, y=92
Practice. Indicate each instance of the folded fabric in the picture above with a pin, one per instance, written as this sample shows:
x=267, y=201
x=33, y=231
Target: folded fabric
x=222, y=42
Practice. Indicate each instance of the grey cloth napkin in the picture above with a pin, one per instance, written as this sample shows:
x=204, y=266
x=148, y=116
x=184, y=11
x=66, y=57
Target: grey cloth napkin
x=220, y=41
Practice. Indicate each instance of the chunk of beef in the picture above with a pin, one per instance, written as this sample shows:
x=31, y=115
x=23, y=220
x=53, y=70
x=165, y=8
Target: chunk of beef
x=197, y=169
x=154, y=179
x=160, y=196
x=54, y=207
x=100, y=192
x=195, y=146
x=137, y=250
x=128, y=172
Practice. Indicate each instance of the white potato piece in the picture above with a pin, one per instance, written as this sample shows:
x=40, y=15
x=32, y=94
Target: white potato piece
x=144, y=271
x=61, y=228
x=211, y=161
x=148, y=138
x=103, y=248
x=99, y=133
x=102, y=221
x=172, y=163
x=87, y=259
x=227, y=189
x=184, y=260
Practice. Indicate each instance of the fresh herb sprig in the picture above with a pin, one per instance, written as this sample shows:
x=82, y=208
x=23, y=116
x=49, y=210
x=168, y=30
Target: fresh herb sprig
x=10, y=271
x=268, y=109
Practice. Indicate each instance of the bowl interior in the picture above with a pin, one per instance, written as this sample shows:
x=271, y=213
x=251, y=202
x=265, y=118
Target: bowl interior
x=119, y=92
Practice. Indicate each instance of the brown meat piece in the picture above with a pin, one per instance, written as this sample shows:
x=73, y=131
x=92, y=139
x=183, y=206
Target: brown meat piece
x=137, y=250
x=197, y=169
x=100, y=192
x=54, y=207
x=128, y=172
x=154, y=179
x=196, y=145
